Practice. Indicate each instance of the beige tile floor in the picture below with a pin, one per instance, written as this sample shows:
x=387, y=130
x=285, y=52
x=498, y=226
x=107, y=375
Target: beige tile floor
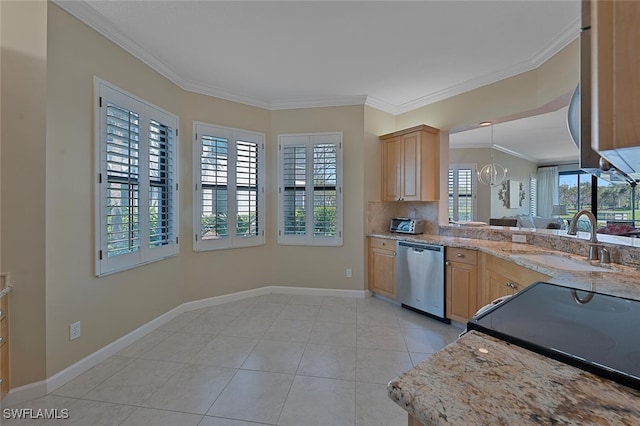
x=274, y=359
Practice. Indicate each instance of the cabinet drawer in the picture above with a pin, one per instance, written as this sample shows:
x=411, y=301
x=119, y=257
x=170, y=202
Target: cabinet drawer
x=382, y=243
x=462, y=255
x=4, y=332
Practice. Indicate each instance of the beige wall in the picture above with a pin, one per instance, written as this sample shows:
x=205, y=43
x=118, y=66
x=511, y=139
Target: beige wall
x=518, y=94
x=24, y=61
x=519, y=170
x=48, y=62
x=325, y=267
x=212, y=273
x=111, y=306
x=487, y=203
x=479, y=157
x=60, y=265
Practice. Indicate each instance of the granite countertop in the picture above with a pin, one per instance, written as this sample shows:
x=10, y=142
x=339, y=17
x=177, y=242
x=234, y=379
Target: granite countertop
x=622, y=281
x=508, y=384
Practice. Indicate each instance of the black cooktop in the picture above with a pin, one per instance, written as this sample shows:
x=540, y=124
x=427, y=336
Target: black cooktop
x=589, y=330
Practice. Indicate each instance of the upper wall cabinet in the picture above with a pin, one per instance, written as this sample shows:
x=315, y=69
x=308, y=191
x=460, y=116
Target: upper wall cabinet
x=615, y=65
x=410, y=165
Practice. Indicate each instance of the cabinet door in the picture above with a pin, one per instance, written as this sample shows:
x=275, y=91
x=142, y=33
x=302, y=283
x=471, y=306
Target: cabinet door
x=615, y=51
x=498, y=285
x=461, y=288
x=382, y=272
x=4, y=370
x=410, y=169
x=391, y=169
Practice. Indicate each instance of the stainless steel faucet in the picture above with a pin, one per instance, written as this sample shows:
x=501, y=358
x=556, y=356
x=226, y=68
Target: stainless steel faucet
x=594, y=247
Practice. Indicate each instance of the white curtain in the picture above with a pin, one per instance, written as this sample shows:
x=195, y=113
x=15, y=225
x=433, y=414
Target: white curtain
x=548, y=193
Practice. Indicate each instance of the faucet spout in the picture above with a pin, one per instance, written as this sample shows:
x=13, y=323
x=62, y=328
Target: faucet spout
x=573, y=228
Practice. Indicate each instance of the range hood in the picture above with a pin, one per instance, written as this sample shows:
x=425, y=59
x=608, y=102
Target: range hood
x=579, y=123
x=579, y=117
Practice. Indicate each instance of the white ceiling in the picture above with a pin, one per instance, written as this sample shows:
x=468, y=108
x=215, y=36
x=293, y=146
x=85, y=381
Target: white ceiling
x=393, y=55
x=543, y=138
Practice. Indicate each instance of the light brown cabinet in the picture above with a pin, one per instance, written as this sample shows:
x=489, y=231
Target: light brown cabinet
x=4, y=346
x=410, y=165
x=382, y=266
x=502, y=277
x=615, y=85
x=461, y=283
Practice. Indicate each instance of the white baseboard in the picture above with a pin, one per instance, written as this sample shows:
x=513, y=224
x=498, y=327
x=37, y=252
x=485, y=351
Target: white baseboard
x=226, y=298
x=41, y=388
x=25, y=393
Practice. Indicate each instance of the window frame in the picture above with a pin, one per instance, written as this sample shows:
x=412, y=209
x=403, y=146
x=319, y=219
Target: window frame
x=232, y=240
x=308, y=140
x=105, y=93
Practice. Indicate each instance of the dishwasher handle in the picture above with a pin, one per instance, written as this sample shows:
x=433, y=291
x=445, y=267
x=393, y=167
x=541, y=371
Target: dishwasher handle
x=419, y=247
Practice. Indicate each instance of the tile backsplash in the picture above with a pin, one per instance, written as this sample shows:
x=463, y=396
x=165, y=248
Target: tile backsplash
x=380, y=213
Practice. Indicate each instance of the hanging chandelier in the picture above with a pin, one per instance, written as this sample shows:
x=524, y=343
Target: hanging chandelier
x=492, y=174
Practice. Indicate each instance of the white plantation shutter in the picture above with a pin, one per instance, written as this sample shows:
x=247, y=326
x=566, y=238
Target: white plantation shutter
x=533, y=195
x=249, y=223
x=462, y=199
x=136, y=195
x=310, y=191
x=214, y=153
x=161, y=179
x=229, y=187
x=122, y=186
x=294, y=169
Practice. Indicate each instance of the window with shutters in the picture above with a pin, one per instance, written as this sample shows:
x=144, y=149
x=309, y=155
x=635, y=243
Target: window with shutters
x=136, y=203
x=462, y=197
x=228, y=187
x=533, y=195
x=310, y=189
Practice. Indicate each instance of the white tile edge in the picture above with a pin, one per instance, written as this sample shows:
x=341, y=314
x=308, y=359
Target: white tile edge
x=38, y=389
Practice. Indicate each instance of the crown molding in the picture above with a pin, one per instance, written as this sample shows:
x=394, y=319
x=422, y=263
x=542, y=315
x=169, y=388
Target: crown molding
x=91, y=17
x=318, y=102
x=515, y=154
x=94, y=19
x=382, y=105
x=227, y=95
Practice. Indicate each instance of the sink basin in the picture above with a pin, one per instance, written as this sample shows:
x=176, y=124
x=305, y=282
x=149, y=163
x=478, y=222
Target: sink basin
x=563, y=263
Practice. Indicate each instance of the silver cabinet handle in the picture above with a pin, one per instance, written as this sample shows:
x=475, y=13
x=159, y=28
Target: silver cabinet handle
x=510, y=285
x=1, y=380
x=1, y=313
x=1, y=340
x=460, y=255
x=447, y=263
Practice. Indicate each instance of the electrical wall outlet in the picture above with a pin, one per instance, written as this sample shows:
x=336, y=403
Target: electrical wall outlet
x=74, y=330
x=349, y=273
x=516, y=238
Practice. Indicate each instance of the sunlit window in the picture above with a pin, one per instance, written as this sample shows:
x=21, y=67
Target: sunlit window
x=462, y=200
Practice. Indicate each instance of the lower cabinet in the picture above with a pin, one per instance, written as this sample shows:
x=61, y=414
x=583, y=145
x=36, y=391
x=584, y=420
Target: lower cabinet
x=461, y=283
x=501, y=277
x=382, y=266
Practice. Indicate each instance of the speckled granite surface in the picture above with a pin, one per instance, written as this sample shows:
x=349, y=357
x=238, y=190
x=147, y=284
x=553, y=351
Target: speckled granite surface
x=509, y=386
x=623, y=281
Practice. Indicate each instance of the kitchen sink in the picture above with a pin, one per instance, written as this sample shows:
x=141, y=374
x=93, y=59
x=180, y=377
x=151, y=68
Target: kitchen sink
x=563, y=263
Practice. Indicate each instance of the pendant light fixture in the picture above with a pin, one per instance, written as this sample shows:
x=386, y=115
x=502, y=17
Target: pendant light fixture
x=492, y=174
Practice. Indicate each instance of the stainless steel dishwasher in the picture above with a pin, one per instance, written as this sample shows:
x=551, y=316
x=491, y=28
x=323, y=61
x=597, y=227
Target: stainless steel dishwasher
x=420, y=278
